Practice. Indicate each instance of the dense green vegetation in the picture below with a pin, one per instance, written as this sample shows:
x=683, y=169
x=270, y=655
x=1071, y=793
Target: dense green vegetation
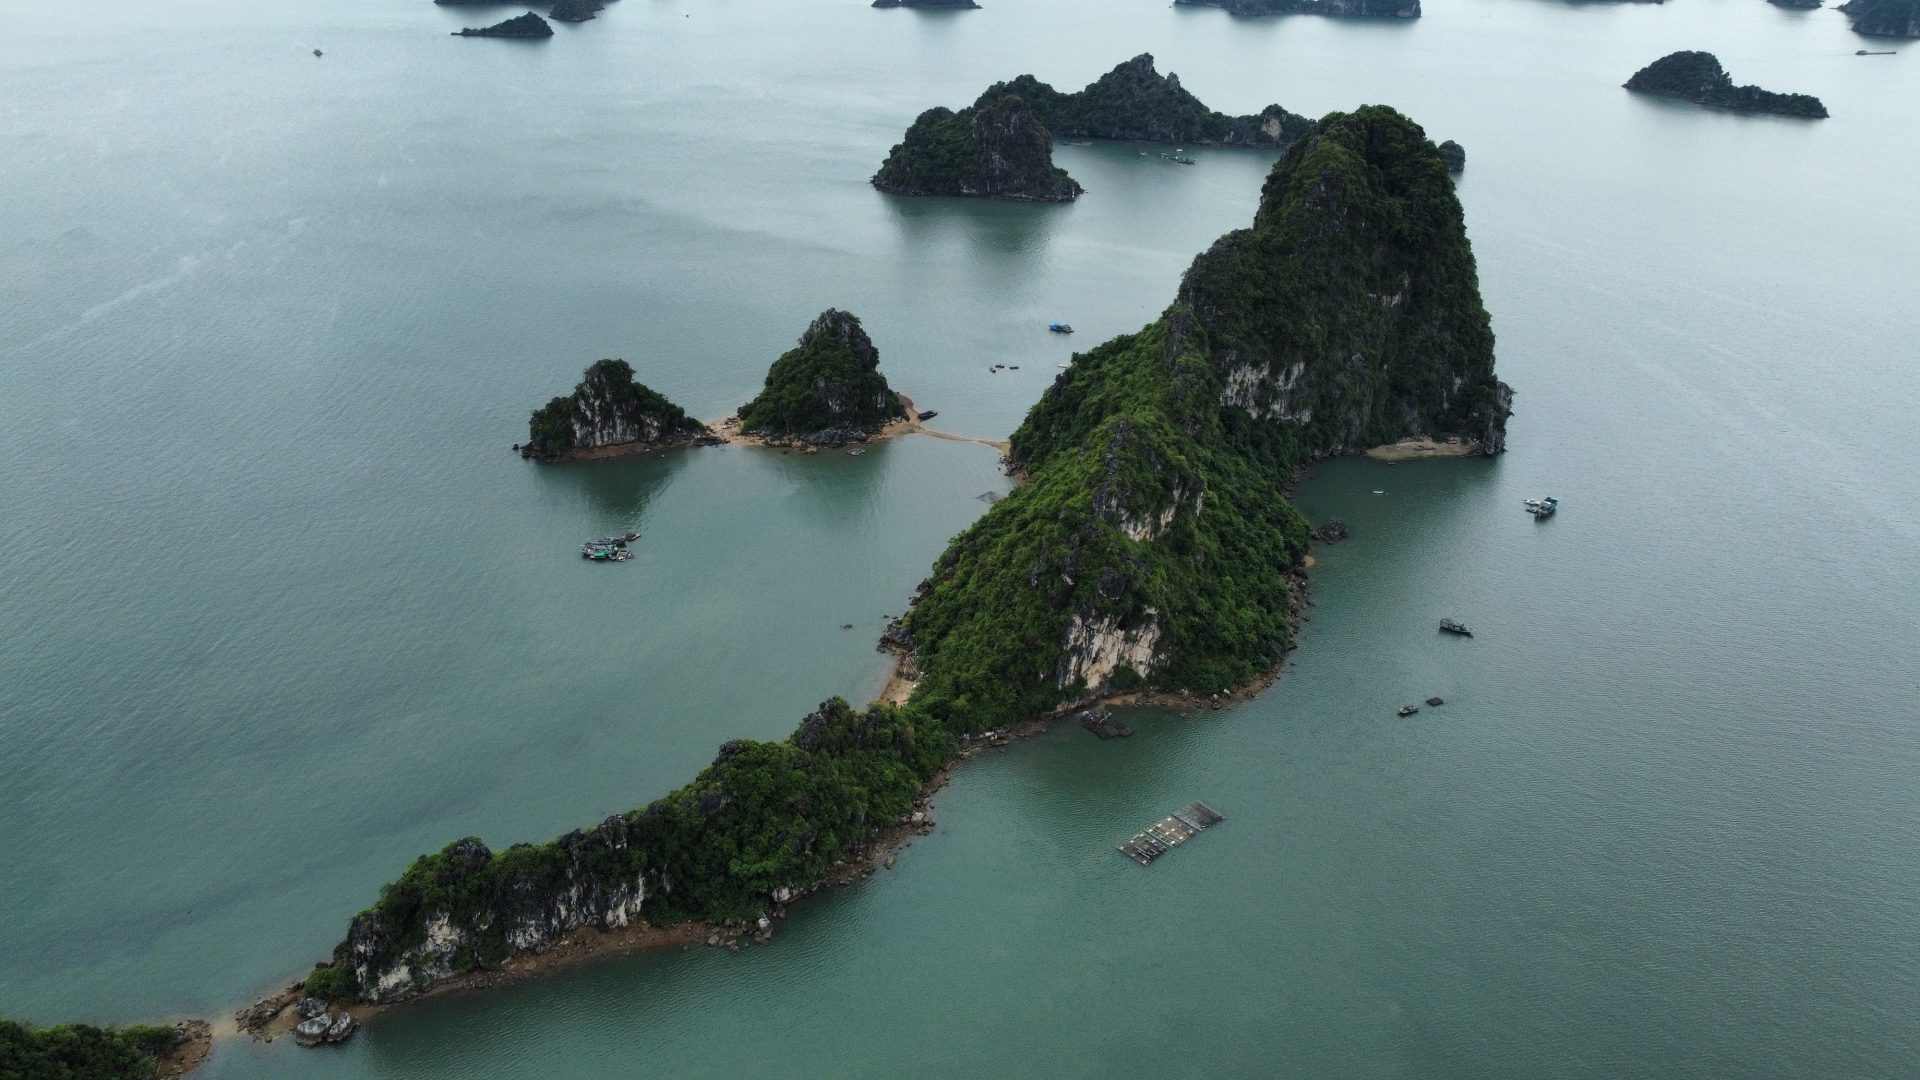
x=762, y=816
x=1699, y=78
x=1884, y=18
x=830, y=382
x=607, y=407
x=80, y=1051
x=1154, y=508
x=574, y=10
x=1133, y=101
x=994, y=148
x=1152, y=547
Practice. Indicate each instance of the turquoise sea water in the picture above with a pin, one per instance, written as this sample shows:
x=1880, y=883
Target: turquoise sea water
x=279, y=611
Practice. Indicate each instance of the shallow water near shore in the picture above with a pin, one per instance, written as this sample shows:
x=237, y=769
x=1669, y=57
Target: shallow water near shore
x=281, y=611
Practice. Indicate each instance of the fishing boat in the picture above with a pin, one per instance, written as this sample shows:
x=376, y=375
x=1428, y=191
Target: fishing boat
x=1407, y=710
x=1179, y=160
x=1453, y=627
x=1542, y=509
x=1060, y=328
x=609, y=548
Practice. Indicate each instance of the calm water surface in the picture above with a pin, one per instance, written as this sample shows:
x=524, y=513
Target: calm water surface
x=279, y=611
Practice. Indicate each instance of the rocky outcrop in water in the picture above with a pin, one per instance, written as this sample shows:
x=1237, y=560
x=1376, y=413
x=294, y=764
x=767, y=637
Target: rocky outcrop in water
x=826, y=391
x=520, y=26
x=1134, y=101
x=575, y=10
x=1454, y=155
x=1884, y=18
x=608, y=409
x=925, y=3
x=1368, y=9
x=995, y=148
x=1699, y=78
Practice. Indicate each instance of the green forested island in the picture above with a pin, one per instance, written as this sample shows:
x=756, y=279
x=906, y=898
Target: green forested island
x=995, y=148
x=520, y=26
x=574, y=10
x=1133, y=101
x=1150, y=548
x=608, y=408
x=1371, y=9
x=1884, y=18
x=1002, y=145
x=1699, y=78
x=827, y=390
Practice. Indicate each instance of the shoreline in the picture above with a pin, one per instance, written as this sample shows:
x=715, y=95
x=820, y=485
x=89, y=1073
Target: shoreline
x=1419, y=449
x=726, y=432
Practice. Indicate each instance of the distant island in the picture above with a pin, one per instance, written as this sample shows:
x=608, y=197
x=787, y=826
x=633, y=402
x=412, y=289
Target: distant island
x=925, y=3
x=1357, y=9
x=995, y=148
x=574, y=10
x=1136, y=102
x=1002, y=145
x=1699, y=78
x=1150, y=551
x=520, y=26
x=608, y=412
x=1801, y=5
x=1884, y=18
x=826, y=391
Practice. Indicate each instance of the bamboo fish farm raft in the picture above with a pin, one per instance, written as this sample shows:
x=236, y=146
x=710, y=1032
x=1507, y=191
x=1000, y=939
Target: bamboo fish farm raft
x=1170, y=832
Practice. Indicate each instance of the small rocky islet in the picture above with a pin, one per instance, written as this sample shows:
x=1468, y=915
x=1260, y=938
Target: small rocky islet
x=961, y=4
x=608, y=408
x=825, y=391
x=528, y=25
x=1698, y=77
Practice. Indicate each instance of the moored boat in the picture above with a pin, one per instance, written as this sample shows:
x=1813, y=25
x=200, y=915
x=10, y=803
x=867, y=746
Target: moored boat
x=1452, y=626
x=1060, y=328
x=1543, y=508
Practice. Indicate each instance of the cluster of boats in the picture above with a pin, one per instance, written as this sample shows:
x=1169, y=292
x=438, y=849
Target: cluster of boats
x=1542, y=509
x=609, y=548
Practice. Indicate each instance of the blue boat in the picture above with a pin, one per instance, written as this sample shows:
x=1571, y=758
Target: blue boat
x=1060, y=328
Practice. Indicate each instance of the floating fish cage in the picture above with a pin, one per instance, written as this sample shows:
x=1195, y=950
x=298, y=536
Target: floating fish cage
x=1170, y=832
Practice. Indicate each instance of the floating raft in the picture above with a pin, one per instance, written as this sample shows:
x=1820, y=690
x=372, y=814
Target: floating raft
x=1170, y=832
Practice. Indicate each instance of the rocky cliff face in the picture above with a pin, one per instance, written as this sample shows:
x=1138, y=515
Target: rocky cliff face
x=994, y=148
x=1151, y=547
x=607, y=409
x=759, y=826
x=1699, y=78
x=1372, y=9
x=1884, y=18
x=1134, y=101
x=827, y=390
